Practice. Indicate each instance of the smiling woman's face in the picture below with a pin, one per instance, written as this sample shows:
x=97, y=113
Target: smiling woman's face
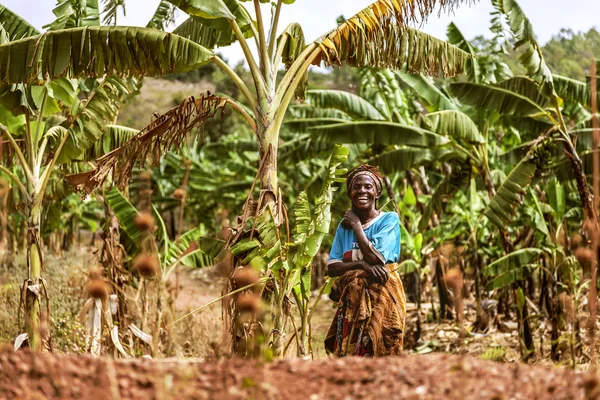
x=363, y=193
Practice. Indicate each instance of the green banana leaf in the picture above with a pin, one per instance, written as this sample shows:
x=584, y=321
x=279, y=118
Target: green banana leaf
x=96, y=51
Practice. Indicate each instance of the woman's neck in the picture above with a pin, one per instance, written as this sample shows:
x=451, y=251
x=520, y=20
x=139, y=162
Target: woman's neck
x=366, y=215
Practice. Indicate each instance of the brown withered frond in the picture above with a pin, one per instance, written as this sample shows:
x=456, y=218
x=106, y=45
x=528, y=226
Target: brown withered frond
x=378, y=36
x=166, y=132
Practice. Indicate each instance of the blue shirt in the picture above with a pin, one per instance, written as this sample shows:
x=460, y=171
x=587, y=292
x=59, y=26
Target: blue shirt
x=383, y=233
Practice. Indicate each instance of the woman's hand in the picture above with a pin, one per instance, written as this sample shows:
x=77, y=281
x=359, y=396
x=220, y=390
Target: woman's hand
x=379, y=272
x=350, y=220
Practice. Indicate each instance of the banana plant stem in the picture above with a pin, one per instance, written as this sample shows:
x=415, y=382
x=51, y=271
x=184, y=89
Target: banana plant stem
x=245, y=114
x=45, y=178
x=289, y=93
x=38, y=126
x=14, y=179
x=595, y=238
x=259, y=80
x=262, y=43
x=20, y=155
x=237, y=81
x=273, y=33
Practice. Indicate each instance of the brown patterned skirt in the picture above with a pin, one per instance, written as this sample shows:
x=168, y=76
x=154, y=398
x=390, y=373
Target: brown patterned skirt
x=369, y=321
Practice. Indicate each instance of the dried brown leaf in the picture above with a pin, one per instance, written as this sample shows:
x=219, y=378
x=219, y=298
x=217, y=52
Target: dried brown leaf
x=166, y=132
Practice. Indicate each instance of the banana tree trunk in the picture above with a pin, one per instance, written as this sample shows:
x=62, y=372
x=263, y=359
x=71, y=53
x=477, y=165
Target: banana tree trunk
x=446, y=305
x=269, y=195
x=269, y=198
x=3, y=219
x=159, y=314
x=33, y=290
x=269, y=183
x=112, y=261
x=585, y=195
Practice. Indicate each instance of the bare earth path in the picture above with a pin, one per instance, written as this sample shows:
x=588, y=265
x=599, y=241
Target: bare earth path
x=26, y=375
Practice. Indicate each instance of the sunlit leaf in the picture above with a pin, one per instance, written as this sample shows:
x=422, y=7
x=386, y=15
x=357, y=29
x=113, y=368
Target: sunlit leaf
x=96, y=51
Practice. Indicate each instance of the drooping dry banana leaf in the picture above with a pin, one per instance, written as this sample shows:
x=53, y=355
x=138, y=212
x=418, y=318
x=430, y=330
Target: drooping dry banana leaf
x=165, y=132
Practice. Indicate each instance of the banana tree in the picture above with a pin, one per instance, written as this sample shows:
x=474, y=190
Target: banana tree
x=29, y=114
x=541, y=106
x=36, y=162
x=380, y=116
x=49, y=122
x=547, y=100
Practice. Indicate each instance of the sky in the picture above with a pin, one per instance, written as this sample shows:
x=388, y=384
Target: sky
x=318, y=17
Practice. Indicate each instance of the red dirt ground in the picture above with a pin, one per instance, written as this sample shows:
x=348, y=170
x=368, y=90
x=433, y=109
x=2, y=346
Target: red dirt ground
x=29, y=375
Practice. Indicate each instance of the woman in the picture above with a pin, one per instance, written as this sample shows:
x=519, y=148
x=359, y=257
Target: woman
x=371, y=302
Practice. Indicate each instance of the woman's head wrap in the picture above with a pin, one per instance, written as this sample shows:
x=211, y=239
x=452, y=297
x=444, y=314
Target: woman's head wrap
x=368, y=170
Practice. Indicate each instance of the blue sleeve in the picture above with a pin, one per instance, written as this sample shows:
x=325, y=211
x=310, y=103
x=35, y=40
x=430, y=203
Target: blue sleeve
x=337, y=251
x=387, y=239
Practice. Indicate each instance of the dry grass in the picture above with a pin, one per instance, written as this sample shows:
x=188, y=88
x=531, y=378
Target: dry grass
x=67, y=275
x=201, y=334
x=66, y=281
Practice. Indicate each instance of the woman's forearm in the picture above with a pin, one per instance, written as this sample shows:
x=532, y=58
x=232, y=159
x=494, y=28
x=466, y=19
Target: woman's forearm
x=377, y=271
x=340, y=268
x=367, y=251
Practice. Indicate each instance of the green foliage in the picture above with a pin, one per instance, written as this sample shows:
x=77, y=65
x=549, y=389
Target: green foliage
x=456, y=37
x=496, y=353
x=208, y=24
x=14, y=27
x=410, y=49
x=428, y=92
x=461, y=173
x=127, y=51
x=465, y=134
x=126, y=214
x=511, y=268
x=291, y=263
x=170, y=252
x=111, y=11
x=163, y=16
x=569, y=53
x=494, y=98
x=89, y=129
x=354, y=106
x=70, y=213
x=404, y=158
x=266, y=249
x=74, y=13
x=294, y=45
x=503, y=205
x=312, y=228
x=531, y=54
x=114, y=137
x=456, y=124
x=377, y=133
x=573, y=90
x=210, y=9
x=383, y=91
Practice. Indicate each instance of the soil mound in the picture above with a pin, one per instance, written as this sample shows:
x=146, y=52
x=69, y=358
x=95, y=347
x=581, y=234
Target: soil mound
x=29, y=375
